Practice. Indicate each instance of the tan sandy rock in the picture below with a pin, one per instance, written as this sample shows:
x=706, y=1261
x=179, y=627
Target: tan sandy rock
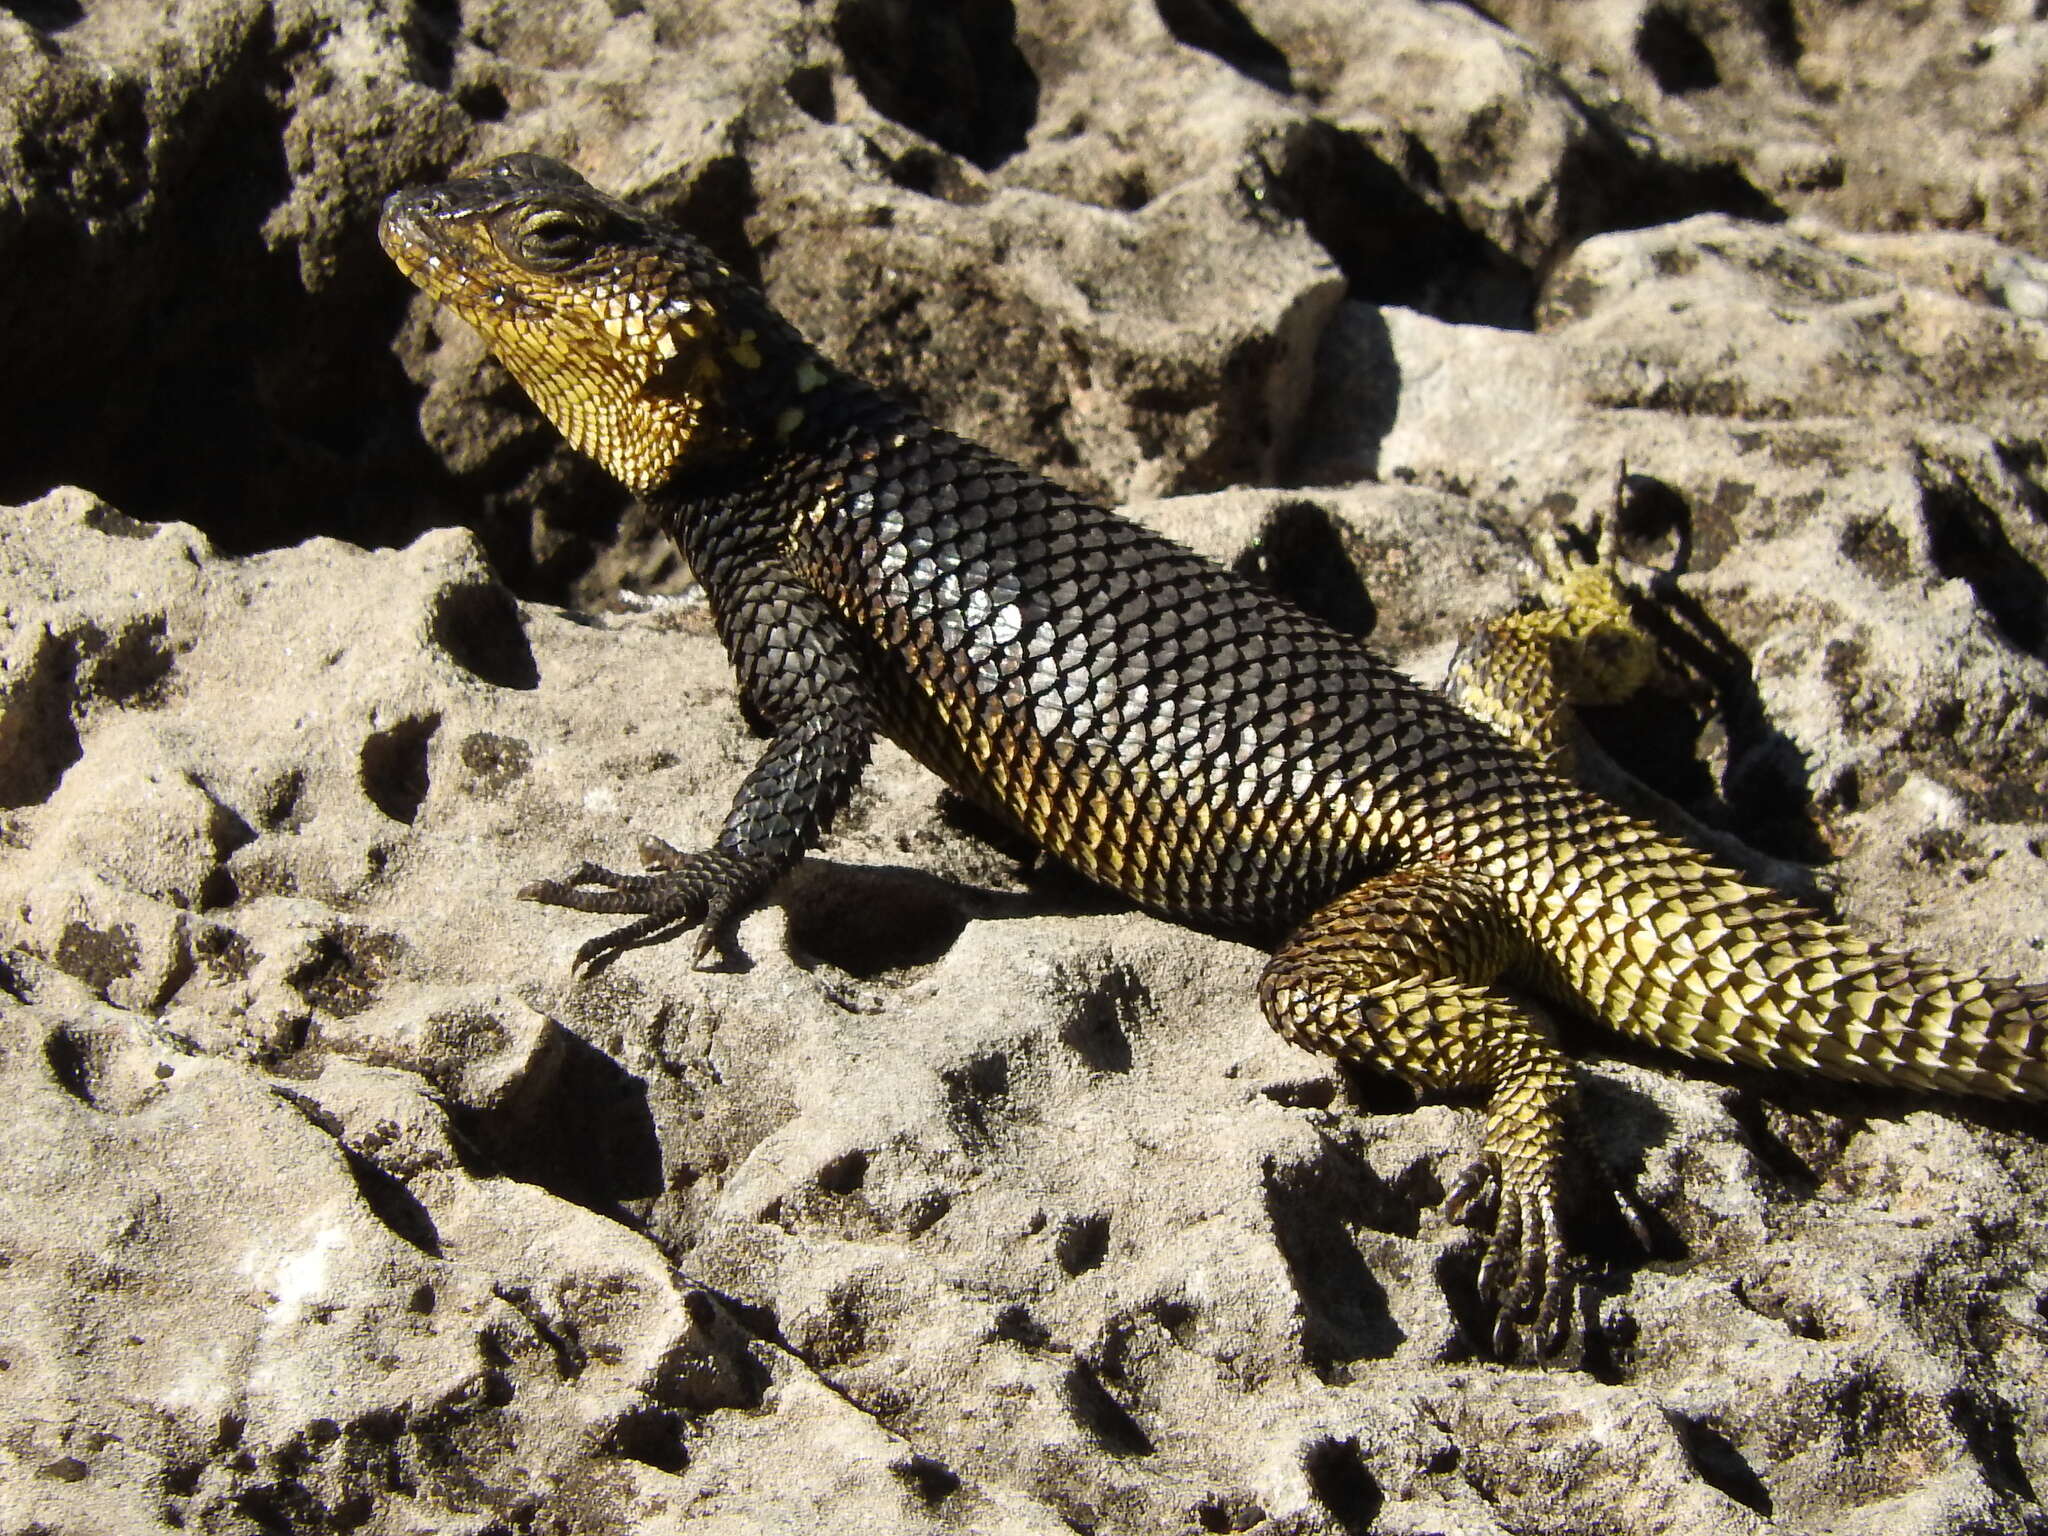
x=957, y=1197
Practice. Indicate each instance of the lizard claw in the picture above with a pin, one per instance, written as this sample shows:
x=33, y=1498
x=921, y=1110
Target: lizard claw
x=1471, y=1197
x=594, y=954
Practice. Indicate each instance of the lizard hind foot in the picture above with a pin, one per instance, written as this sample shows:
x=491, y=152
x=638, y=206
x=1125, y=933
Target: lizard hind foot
x=1526, y=1275
x=1529, y=1274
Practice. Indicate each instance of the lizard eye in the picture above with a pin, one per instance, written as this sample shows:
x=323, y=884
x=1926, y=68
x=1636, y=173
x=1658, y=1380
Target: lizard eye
x=551, y=240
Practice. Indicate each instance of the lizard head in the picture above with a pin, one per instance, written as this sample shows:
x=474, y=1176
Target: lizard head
x=645, y=350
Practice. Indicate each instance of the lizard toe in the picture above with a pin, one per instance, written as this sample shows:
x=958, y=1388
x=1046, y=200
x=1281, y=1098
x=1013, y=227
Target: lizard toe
x=589, y=888
x=1470, y=1199
x=595, y=954
x=1526, y=1273
x=592, y=887
x=1504, y=1248
x=657, y=853
x=666, y=908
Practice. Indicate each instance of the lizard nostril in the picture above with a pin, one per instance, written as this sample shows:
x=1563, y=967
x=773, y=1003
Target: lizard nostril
x=421, y=203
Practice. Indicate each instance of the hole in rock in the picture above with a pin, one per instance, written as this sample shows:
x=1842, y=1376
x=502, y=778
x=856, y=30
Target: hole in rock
x=844, y=1174
x=973, y=1088
x=930, y=1480
x=1343, y=1484
x=1877, y=549
x=1394, y=244
x=133, y=665
x=1676, y=56
x=1016, y=1324
x=1082, y=1243
x=1720, y=1465
x=283, y=1506
x=1098, y=1018
x=1220, y=28
x=98, y=957
x=649, y=1435
x=982, y=1077
x=1779, y=24
x=1968, y=542
x=811, y=89
x=493, y=762
x=931, y=174
x=252, y=396
x=953, y=73
x=346, y=969
x=477, y=626
x=47, y=15
x=394, y=767
x=483, y=101
x=70, y=1057
x=38, y=737
x=1101, y=1415
x=1318, y=1092
x=436, y=26
x=1229, y=1512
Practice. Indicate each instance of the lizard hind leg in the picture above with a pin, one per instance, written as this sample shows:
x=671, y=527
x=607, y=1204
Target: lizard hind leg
x=1396, y=974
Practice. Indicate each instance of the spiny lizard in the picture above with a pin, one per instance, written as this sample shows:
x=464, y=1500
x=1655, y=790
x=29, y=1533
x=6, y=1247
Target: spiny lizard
x=1162, y=725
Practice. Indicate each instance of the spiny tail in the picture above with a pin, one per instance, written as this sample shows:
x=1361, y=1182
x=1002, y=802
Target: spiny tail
x=1673, y=949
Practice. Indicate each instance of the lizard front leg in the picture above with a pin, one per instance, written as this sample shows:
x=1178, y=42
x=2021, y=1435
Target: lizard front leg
x=1397, y=974
x=799, y=679
x=1521, y=673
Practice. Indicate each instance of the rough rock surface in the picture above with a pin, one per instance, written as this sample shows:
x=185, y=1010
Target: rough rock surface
x=962, y=1199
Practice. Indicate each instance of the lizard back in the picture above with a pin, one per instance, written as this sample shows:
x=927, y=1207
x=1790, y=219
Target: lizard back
x=1169, y=728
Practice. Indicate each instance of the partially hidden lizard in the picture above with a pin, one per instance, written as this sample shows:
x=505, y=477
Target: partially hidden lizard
x=1162, y=725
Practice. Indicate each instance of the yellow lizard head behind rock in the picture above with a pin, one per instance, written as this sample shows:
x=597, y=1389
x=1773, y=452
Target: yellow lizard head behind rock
x=643, y=348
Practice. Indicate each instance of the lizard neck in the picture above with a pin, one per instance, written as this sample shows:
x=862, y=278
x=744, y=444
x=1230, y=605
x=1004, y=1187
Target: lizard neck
x=740, y=508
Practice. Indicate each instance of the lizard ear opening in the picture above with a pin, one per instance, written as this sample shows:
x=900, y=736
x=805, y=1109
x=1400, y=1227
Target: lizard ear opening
x=689, y=374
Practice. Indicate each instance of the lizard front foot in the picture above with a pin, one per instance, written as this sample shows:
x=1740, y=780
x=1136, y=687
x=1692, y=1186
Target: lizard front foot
x=705, y=890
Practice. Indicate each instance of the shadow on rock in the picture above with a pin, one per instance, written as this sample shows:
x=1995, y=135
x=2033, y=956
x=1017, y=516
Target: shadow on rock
x=1764, y=795
x=1312, y=1208
x=1300, y=555
x=870, y=919
x=587, y=1135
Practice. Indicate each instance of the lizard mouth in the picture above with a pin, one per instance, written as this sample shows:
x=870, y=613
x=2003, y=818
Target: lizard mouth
x=410, y=230
x=405, y=230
